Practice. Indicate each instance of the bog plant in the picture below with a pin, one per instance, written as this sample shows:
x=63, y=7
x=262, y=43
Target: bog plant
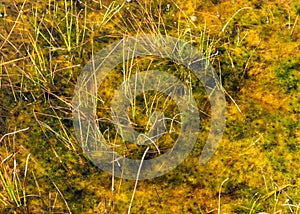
x=253, y=47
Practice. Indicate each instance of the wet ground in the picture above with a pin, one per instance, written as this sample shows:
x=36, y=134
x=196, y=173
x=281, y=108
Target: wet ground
x=254, y=48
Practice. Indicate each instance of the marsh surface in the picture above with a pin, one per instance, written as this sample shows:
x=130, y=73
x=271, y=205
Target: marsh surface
x=254, y=48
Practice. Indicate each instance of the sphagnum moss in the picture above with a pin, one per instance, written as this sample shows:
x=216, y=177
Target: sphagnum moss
x=43, y=48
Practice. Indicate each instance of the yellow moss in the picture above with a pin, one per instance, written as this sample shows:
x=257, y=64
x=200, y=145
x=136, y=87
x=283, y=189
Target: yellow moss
x=252, y=38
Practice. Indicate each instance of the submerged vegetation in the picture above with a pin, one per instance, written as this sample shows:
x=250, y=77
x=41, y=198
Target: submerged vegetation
x=254, y=48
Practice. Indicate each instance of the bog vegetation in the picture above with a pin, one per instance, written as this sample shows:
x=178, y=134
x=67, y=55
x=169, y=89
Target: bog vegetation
x=254, y=48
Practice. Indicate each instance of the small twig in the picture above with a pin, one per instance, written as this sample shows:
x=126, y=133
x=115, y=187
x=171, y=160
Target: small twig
x=244, y=8
x=137, y=179
x=219, y=204
x=15, y=132
x=236, y=105
x=62, y=196
x=15, y=24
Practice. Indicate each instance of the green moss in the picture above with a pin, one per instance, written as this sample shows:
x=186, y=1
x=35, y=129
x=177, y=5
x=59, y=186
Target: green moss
x=256, y=57
x=288, y=75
